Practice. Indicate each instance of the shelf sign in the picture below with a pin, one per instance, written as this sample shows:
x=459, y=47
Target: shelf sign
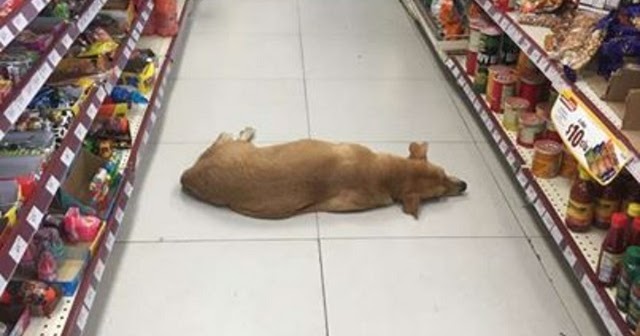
x=590, y=142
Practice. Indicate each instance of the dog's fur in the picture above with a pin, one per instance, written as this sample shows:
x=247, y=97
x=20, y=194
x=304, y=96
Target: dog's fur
x=310, y=175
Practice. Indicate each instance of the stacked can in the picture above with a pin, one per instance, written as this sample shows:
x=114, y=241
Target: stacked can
x=488, y=55
x=509, y=52
x=475, y=25
x=500, y=86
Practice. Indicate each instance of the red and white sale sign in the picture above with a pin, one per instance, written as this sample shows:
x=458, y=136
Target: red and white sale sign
x=588, y=139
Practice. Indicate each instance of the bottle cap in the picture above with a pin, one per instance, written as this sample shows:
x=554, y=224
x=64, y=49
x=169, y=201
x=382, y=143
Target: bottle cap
x=632, y=255
x=619, y=220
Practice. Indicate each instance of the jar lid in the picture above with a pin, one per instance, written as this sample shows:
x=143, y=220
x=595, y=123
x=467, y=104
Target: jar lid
x=517, y=102
x=530, y=119
x=548, y=147
x=491, y=30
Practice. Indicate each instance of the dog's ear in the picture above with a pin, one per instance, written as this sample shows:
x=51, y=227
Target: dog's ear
x=411, y=205
x=418, y=151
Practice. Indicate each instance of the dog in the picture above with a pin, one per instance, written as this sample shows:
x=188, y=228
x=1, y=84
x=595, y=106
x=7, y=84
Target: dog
x=285, y=180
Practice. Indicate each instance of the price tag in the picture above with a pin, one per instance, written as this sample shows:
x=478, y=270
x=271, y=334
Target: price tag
x=101, y=93
x=90, y=297
x=83, y=316
x=503, y=147
x=456, y=72
x=535, y=56
x=13, y=112
x=486, y=5
x=153, y=118
x=548, y=221
x=67, y=156
x=539, y=206
x=511, y=159
x=496, y=135
x=80, y=132
x=128, y=189
x=525, y=45
x=99, y=270
x=54, y=57
x=517, y=35
x=3, y=283
x=131, y=43
x=92, y=111
x=20, y=22
x=543, y=63
x=476, y=105
x=17, y=249
x=490, y=125
x=111, y=239
x=34, y=217
x=556, y=234
x=496, y=16
x=568, y=254
x=67, y=41
x=6, y=36
x=119, y=215
x=532, y=196
x=145, y=15
x=126, y=53
x=522, y=178
x=135, y=35
x=52, y=185
x=504, y=23
x=588, y=139
x=38, y=4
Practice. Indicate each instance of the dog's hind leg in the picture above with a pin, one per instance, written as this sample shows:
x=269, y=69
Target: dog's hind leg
x=247, y=134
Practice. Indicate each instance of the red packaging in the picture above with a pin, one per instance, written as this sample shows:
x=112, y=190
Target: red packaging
x=503, y=86
x=471, y=62
x=612, y=250
x=531, y=89
x=504, y=5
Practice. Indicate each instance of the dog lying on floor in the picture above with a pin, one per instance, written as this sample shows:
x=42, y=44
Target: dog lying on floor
x=309, y=175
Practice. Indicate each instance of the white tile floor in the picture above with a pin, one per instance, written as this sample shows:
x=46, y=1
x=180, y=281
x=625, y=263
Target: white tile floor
x=345, y=70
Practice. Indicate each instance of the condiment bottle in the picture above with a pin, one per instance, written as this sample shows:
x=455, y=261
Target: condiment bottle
x=633, y=205
x=628, y=272
x=612, y=251
x=581, y=203
x=633, y=311
x=607, y=202
x=634, y=236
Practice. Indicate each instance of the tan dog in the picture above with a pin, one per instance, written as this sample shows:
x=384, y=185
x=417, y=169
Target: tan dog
x=309, y=175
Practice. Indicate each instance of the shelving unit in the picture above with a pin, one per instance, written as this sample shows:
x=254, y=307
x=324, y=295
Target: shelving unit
x=549, y=197
x=71, y=315
x=16, y=21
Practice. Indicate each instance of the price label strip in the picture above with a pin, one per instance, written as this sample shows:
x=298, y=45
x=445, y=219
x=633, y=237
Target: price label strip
x=590, y=142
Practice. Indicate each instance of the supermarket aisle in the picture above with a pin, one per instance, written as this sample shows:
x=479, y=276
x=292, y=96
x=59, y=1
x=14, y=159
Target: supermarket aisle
x=342, y=70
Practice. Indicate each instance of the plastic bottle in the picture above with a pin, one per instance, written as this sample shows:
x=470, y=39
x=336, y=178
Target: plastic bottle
x=581, y=204
x=634, y=234
x=628, y=272
x=607, y=202
x=633, y=312
x=612, y=251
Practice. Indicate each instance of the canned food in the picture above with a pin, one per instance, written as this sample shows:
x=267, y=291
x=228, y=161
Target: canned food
x=492, y=71
x=569, y=165
x=475, y=25
x=531, y=88
x=547, y=158
x=503, y=86
x=530, y=129
x=513, y=108
x=488, y=55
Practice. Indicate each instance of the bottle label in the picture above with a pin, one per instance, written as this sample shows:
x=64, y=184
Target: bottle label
x=622, y=291
x=609, y=267
x=606, y=208
x=580, y=212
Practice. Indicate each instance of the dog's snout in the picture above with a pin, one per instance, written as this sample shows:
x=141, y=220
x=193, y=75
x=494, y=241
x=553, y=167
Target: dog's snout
x=463, y=186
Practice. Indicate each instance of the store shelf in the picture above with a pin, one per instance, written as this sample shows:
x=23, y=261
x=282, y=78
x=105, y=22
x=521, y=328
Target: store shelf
x=32, y=212
x=22, y=93
x=428, y=26
x=549, y=199
x=589, y=88
x=16, y=21
x=71, y=316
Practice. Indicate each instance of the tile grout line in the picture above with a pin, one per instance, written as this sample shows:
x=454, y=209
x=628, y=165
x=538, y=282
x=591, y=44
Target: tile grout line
x=317, y=220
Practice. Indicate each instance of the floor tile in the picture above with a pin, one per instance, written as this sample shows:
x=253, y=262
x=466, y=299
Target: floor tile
x=439, y=287
x=375, y=56
x=384, y=110
x=354, y=17
x=241, y=56
x=567, y=287
x=234, y=289
x=254, y=16
x=475, y=129
x=481, y=212
x=202, y=109
x=161, y=211
x=504, y=177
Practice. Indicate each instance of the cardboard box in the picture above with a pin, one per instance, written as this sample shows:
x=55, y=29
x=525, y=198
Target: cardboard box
x=624, y=86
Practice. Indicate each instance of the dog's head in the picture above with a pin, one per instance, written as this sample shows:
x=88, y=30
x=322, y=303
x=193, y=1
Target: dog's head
x=426, y=181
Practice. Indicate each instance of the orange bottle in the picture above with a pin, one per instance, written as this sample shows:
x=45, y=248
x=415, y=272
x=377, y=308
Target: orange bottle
x=580, y=210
